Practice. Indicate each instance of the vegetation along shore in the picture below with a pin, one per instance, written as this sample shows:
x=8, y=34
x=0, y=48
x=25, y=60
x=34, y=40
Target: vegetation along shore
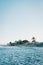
x=34, y=43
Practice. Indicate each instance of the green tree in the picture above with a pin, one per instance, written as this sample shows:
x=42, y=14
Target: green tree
x=25, y=41
x=33, y=39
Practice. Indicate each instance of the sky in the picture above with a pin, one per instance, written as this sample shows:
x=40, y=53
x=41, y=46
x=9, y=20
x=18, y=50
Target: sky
x=21, y=19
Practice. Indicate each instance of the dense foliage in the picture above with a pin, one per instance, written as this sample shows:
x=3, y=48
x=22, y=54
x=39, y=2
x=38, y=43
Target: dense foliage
x=26, y=42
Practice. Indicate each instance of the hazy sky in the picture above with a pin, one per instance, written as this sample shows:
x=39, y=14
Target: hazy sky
x=21, y=19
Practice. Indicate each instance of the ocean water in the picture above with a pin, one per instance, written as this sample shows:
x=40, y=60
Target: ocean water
x=21, y=55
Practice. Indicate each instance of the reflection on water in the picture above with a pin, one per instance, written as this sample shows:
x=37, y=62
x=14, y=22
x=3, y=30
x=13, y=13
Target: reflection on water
x=21, y=55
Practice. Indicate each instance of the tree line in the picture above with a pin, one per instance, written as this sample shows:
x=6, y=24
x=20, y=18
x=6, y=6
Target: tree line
x=26, y=42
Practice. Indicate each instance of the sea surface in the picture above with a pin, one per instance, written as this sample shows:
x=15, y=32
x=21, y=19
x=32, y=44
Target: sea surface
x=21, y=55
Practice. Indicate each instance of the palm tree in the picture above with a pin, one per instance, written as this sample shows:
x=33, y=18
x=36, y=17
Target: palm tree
x=33, y=39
